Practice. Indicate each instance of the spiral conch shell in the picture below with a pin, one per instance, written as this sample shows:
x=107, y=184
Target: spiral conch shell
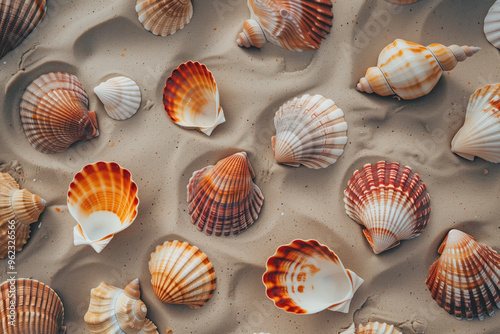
x=164, y=17
x=492, y=25
x=410, y=70
x=115, y=311
x=181, y=274
x=121, y=97
x=191, y=98
x=480, y=134
x=37, y=308
x=54, y=112
x=18, y=18
x=223, y=197
x=372, y=328
x=465, y=280
x=19, y=207
x=390, y=201
x=295, y=25
x=306, y=277
x=310, y=131
x=103, y=200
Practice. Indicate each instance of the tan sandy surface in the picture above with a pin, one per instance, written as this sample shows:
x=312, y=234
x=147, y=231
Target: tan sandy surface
x=96, y=40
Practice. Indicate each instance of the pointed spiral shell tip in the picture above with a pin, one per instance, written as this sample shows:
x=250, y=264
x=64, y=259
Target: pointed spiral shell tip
x=363, y=86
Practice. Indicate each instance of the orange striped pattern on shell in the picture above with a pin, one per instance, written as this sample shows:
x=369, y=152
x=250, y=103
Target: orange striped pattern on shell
x=223, y=197
x=465, y=280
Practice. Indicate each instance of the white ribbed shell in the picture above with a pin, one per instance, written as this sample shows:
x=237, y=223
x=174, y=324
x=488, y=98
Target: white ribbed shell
x=372, y=328
x=492, y=25
x=164, y=17
x=121, y=97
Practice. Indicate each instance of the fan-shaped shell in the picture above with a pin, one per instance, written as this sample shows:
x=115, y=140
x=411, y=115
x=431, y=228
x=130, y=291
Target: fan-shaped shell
x=411, y=70
x=223, y=197
x=480, y=134
x=121, y=97
x=191, y=98
x=17, y=20
x=492, y=25
x=465, y=280
x=164, y=17
x=295, y=25
x=103, y=200
x=181, y=274
x=54, y=112
x=307, y=277
x=18, y=209
x=390, y=201
x=37, y=308
x=372, y=328
x=310, y=131
x=115, y=311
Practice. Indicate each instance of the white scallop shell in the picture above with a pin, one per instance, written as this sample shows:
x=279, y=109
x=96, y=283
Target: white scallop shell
x=164, y=17
x=121, y=97
x=492, y=25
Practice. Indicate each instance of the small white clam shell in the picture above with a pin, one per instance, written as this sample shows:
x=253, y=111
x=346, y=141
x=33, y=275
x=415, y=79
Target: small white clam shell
x=492, y=25
x=121, y=97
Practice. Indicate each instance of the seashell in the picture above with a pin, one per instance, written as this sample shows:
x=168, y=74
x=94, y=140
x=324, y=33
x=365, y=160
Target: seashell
x=164, y=17
x=403, y=2
x=295, y=25
x=54, y=113
x=480, y=134
x=103, y=200
x=390, y=201
x=18, y=18
x=121, y=97
x=181, y=274
x=37, y=308
x=223, y=197
x=191, y=98
x=21, y=206
x=465, y=280
x=372, y=328
x=307, y=277
x=310, y=131
x=410, y=70
x=492, y=25
x=114, y=311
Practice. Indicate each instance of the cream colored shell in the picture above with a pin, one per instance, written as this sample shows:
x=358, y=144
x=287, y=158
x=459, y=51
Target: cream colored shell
x=372, y=328
x=164, y=17
x=492, y=25
x=121, y=97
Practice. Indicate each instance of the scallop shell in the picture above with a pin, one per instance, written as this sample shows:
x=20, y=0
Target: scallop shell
x=410, y=70
x=38, y=309
x=21, y=206
x=310, y=131
x=103, y=200
x=54, y=112
x=121, y=97
x=480, y=134
x=181, y=274
x=164, y=17
x=191, y=98
x=372, y=328
x=390, y=201
x=465, y=280
x=295, y=25
x=307, y=277
x=223, y=197
x=492, y=25
x=18, y=18
x=113, y=310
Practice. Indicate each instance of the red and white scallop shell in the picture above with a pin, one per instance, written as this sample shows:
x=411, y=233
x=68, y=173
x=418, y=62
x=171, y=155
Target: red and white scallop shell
x=372, y=328
x=54, y=113
x=103, y=200
x=37, y=308
x=311, y=131
x=306, y=277
x=465, y=280
x=480, y=134
x=181, y=274
x=390, y=201
x=164, y=17
x=295, y=25
x=223, y=197
x=19, y=207
x=191, y=98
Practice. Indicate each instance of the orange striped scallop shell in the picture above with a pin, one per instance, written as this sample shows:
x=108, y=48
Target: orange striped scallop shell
x=223, y=197
x=372, y=328
x=103, y=200
x=465, y=280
